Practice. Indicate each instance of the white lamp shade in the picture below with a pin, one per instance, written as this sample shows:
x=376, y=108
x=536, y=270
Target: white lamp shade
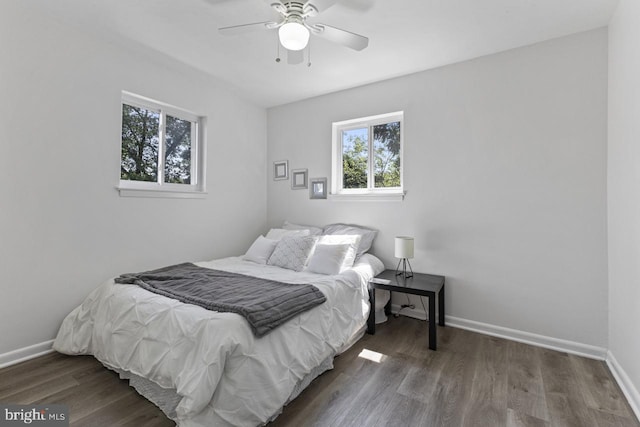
x=293, y=36
x=404, y=247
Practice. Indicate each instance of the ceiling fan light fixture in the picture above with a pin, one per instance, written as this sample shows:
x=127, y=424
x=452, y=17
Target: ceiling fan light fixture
x=293, y=36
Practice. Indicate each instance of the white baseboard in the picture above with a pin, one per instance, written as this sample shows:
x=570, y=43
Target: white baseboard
x=572, y=347
x=625, y=383
x=25, y=353
x=566, y=346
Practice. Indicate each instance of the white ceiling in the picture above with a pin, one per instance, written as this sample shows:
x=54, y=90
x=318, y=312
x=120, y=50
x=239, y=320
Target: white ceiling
x=406, y=36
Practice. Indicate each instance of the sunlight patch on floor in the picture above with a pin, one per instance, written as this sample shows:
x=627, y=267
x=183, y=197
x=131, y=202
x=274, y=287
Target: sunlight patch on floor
x=372, y=355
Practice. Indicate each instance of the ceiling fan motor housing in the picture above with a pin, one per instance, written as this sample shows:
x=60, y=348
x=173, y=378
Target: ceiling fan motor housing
x=294, y=31
x=295, y=9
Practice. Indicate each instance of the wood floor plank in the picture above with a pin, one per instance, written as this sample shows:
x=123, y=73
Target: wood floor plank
x=104, y=389
x=366, y=396
x=422, y=380
x=605, y=419
x=488, y=396
x=517, y=419
x=125, y=412
x=564, y=398
x=524, y=379
x=33, y=372
x=382, y=402
x=399, y=410
x=598, y=387
x=558, y=374
x=334, y=404
x=454, y=340
x=569, y=411
x=41, y=390
x=444, y=407
x=472, y=380
x=308, y=408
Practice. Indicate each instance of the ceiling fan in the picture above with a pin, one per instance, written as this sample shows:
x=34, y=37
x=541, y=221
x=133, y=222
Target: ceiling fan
x=294, y=30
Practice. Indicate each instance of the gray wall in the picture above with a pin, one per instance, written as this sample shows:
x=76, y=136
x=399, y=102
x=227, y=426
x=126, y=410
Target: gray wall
x=505, y=172
x=63, y=227
x=624, y=199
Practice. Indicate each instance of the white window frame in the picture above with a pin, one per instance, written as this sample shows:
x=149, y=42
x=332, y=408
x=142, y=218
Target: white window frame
x=196, y=189
x=371, y=192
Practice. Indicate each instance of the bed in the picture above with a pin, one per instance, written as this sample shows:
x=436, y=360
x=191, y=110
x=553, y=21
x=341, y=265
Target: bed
x=207, y=368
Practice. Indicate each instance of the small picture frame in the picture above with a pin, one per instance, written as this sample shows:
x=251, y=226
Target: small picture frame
x=280, y=170
x=299, y=179
x=318, y=188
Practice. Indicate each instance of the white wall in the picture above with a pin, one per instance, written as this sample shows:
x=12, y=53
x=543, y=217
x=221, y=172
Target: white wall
x=624, y=196
x=505, y=172
x=63, y=227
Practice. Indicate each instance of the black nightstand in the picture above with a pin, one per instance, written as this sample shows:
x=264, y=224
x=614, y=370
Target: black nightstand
x=427, y=285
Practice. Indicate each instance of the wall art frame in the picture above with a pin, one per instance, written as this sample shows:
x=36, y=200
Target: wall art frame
x=318, y=188
x=299, y=179
x=280, y=170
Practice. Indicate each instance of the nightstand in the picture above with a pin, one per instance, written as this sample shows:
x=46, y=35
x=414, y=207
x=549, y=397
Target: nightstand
x=427, y=285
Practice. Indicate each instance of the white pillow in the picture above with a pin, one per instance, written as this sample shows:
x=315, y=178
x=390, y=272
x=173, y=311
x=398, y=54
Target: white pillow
x=351, y=240
x=260, y=250
x=279, y=233
x=367, y=235
x=368, y=265
x=292, y=252
x=313, y=231
x=328, y=259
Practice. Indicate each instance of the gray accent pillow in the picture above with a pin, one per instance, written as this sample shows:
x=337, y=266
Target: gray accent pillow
x=292, y=252
x=313, y=230
x=260, y=250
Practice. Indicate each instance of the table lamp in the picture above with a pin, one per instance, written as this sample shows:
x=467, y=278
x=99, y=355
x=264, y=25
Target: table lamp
x=404, y=251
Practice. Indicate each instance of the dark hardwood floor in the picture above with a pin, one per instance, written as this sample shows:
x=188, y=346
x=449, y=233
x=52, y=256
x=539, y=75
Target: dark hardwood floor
x=472, y=380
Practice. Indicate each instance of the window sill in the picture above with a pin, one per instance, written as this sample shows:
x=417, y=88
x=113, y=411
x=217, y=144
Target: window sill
x=368, y=197
x=161, y=193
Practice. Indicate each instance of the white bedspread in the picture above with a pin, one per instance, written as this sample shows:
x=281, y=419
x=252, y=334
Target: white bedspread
x=224, y=374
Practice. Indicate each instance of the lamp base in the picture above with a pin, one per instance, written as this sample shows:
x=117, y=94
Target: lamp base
x=403, y=272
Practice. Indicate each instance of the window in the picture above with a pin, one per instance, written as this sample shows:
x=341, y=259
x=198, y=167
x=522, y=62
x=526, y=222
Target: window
x=367, y=157
x=161, y=149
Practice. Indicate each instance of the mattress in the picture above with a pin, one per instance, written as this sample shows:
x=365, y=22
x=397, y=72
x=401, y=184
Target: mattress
x=212, y=367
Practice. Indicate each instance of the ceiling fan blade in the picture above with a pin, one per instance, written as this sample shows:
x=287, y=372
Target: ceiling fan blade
x=295, y=56
x=343, y=37
x=247, y=28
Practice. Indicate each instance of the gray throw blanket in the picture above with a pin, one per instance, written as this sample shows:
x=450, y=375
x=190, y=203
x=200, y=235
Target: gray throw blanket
x=266, y=304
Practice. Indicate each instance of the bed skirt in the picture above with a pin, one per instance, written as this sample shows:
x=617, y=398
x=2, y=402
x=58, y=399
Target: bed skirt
x=167, y=399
